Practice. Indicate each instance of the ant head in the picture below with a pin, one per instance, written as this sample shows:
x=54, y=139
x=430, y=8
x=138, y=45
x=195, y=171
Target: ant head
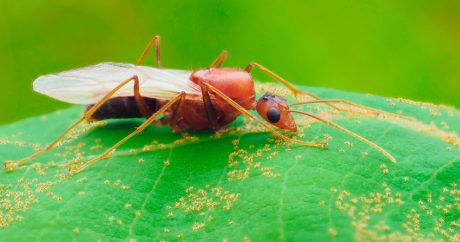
x=275, y=110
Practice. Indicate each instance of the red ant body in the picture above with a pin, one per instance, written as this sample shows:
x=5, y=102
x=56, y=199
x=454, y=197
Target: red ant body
x=225, y=94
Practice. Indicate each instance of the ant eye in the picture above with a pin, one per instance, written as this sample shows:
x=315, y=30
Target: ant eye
x=273, y=115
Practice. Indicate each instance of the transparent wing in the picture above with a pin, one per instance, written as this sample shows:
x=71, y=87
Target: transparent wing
x=89, y=84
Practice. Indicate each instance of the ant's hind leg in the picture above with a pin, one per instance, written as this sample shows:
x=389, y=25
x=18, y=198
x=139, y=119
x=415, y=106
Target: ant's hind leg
x=10, y=165
x=180, y=97
x=219, y=60
x=141, y=105
x=154, y=41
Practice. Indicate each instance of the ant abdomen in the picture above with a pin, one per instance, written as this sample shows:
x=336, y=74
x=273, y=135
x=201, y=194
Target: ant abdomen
x=123, y=107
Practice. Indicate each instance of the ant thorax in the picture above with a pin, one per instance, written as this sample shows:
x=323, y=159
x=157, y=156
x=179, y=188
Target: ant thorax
x=235, y=83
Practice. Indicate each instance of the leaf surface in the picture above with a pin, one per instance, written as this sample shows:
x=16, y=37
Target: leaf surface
x=239, y=183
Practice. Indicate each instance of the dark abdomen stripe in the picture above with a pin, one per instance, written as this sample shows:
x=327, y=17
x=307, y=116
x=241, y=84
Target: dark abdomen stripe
x=122, y=107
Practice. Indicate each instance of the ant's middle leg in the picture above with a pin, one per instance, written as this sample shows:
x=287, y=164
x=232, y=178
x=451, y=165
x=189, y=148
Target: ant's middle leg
x=178, y=98
x=219, y=60
x=210, y=111
x=154, y=41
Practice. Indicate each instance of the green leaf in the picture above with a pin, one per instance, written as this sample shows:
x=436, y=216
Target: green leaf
x=239, y=183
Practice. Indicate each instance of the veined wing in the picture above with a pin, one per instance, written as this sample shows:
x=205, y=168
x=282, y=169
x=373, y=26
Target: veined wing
x=90, y=84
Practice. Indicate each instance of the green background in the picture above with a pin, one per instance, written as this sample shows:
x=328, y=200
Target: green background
x=395, y=48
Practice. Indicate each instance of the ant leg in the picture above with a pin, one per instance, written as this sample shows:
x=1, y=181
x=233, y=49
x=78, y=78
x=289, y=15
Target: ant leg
x=177, y=111
x=279, y=79
x=154, y=41
x=10, y=165
x=374, y=111
x=219, y=60
x=210, y=111
x=336, y=126
x=138, y=130
x=141, y=105
x=251, y=116
x=295, y=90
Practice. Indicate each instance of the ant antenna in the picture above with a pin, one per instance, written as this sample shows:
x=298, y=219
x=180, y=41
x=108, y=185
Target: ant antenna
x=336, y=126
x=375, y=112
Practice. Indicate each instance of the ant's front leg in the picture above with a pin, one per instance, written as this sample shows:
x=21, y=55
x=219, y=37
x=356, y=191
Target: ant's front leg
x=317, y=99
x=246, y=113
x=296, y=91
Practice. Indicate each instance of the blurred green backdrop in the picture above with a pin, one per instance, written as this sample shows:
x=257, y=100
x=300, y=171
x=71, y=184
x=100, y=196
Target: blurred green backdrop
x=396, y=48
